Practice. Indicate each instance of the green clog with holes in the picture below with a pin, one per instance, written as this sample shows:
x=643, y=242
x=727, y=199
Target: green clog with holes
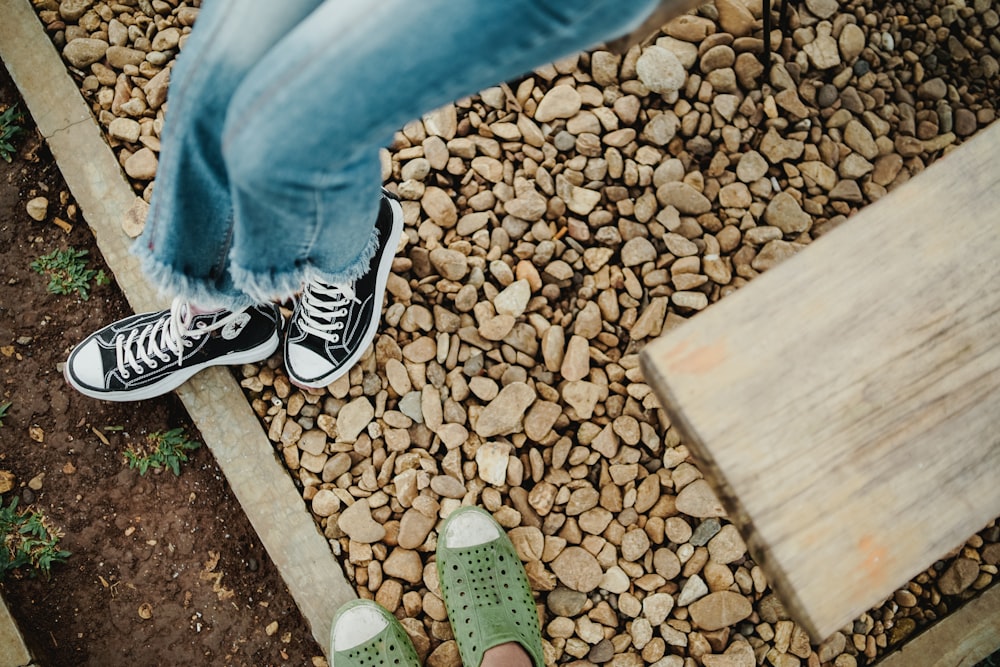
x=485, y=588
x=365, y=634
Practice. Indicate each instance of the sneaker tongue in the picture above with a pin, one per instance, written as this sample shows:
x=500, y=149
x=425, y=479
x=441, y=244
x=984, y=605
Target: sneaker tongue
x=323, y=299
x=327, y=297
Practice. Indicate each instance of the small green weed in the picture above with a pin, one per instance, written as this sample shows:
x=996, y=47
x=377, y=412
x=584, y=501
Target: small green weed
x=29, y=540
x=67, y=271
x=10, y=124
x=161, y=450
x=4, y=407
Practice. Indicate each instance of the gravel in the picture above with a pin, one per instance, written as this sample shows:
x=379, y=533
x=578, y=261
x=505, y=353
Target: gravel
x=554, y=225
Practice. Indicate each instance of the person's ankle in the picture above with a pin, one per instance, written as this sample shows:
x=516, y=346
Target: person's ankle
x=201, y=310
x=510, y=654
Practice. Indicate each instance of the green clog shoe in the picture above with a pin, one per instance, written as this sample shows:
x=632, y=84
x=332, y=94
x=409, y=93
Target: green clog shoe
x=485, y=588
x=365, y=634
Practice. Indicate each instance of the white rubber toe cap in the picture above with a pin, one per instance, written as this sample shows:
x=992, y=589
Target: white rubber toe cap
x=356, y=626
x=305, y=364
x=470, y=529
x=86, y=366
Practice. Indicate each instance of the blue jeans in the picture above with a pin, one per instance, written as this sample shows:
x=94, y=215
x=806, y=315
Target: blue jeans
x=269, y=173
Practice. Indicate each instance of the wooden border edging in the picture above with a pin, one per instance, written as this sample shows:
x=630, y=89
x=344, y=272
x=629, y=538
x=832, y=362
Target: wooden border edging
x=960, y=639
x=213, y=398
x=13, y=652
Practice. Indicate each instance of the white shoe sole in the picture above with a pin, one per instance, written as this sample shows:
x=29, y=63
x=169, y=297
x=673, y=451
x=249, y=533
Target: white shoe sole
x=176, y=379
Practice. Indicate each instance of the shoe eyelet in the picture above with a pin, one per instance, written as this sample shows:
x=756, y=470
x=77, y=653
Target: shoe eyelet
x=126, y=376
x=152, y=364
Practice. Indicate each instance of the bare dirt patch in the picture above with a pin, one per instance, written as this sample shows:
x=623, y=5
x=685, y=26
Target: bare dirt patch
x=176, y=549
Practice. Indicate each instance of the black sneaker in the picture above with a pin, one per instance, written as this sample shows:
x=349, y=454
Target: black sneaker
x=147, y=355
x=333, y=324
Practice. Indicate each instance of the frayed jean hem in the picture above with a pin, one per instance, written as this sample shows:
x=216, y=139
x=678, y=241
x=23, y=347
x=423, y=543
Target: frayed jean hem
x=173, y=283
x=255, y=287
x=278, y=286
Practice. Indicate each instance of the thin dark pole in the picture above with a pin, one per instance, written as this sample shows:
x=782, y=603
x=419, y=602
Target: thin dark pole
x=783, y=15
x=766, y=57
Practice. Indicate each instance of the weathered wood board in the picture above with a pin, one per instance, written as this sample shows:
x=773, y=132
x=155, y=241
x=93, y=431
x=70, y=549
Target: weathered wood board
x=846, y=404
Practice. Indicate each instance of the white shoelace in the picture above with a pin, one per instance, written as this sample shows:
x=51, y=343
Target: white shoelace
x=172, y=332
x=323, y=304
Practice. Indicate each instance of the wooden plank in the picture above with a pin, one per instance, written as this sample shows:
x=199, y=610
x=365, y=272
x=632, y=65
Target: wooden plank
x=960, y=639
x=846, y=404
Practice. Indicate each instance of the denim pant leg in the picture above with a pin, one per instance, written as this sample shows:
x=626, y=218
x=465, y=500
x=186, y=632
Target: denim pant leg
x=185, y=245
x=303, y=130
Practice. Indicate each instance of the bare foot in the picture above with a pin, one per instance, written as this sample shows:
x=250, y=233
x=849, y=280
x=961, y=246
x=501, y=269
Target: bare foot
x=506, y=655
